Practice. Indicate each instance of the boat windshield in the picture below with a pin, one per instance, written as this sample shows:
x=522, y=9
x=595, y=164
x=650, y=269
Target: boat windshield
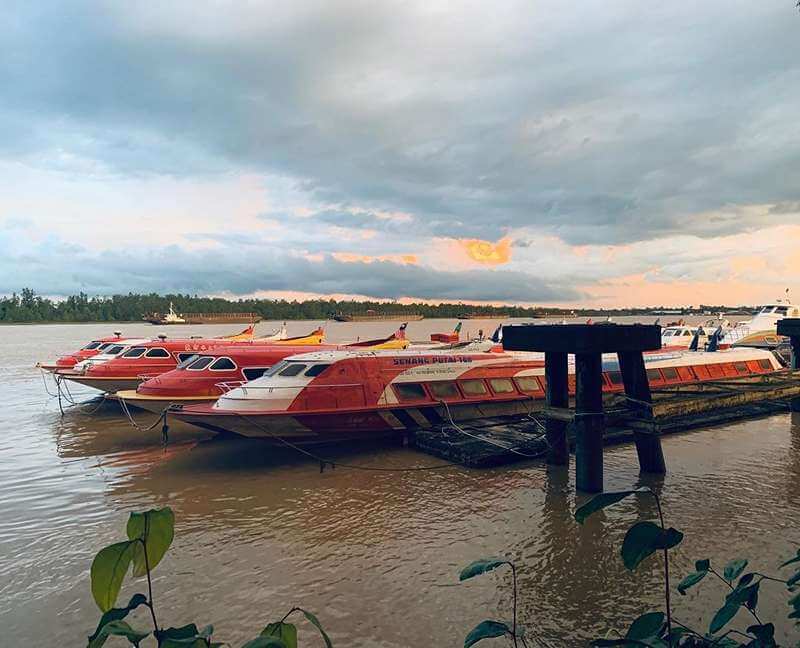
x=200, y=363
x=276, y=368
x=114, y=350
x=765, y=309
x=91, y=346
x=135, y=352
x=782, y=310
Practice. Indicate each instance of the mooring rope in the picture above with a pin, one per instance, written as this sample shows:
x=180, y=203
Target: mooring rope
x=484, y=439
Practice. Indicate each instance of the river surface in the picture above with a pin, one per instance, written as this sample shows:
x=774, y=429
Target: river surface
x=375, y=554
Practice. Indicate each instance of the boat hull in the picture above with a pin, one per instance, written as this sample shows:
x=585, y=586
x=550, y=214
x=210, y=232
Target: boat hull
x=319, y=428
x=158, y=404
x=109, y=384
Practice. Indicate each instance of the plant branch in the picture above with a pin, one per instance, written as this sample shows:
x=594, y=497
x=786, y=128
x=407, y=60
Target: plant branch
x=666, y=566
x=514, y=621
x=147, y=569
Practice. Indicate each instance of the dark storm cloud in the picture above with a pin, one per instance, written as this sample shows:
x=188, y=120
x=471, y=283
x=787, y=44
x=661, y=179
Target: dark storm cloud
x=56, y=268
x=598, y=123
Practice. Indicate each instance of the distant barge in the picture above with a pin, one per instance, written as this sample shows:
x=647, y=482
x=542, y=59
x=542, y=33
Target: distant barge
x=372, y=316
x=201, y=318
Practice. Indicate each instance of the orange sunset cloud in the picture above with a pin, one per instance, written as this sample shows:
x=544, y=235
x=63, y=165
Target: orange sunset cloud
x=486, y=252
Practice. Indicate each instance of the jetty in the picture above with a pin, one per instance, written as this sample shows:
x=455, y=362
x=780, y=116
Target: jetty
x=589, y=420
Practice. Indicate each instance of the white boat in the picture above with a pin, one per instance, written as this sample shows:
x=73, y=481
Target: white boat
x=761, y=330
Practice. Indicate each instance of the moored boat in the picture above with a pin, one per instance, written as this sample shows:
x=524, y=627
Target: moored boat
x=91, y=349
x=205, y=376
x=344, y=395
x=761, y=330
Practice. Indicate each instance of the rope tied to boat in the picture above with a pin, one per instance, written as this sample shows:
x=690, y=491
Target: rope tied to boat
x=484, y=439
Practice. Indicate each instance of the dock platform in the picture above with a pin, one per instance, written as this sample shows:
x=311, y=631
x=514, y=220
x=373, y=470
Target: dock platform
x=504, y=440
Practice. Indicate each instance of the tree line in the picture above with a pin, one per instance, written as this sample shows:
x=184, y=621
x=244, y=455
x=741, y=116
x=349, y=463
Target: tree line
x=30, y=307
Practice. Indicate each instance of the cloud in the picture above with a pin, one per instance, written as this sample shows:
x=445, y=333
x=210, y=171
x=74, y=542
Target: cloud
x=56, y=268
x=598, y=124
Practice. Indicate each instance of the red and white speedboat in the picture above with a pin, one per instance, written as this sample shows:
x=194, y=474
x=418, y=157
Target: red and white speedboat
x=344, y=395
x=203, y=378
x=91, y=349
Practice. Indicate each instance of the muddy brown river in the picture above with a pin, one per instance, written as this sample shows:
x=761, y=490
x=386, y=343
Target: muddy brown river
x=375, y=554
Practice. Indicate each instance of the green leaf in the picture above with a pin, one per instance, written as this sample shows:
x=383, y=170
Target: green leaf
x=702, y=565
x=647, y=625
x=286, y=632
x=599, y=502
x=108, y=571
x=313, y=620
x=745, y=580
x=723, y=615
x=691, y=580
x=115, y=614
x=117, y=628
x=792, y=560
x=478, y=567
x=644, y=538
x=734, y=568
x=265, y=642
x=764, y=633
x=793, y=580
x=486, y=630
x=187, y=636
x=159, y=525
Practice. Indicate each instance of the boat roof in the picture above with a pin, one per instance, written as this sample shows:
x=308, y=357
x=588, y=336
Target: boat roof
x=347, y=354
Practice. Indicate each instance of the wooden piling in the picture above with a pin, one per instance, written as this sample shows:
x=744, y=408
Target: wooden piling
x=790, y=327
x=637, y=389
x=557, y=395
x=589, y=422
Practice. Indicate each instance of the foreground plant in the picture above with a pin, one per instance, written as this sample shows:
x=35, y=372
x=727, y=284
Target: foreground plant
x=490, y=628
x=660, y=629
x=150, y=534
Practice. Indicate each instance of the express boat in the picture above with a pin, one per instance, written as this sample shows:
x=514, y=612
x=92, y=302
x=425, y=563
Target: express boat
x=761, y=330
x=203, y=377
x=91, y=349
x=344, y=395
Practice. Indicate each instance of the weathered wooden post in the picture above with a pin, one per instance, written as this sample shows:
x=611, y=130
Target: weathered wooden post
x=589, y=422
x=556, y=395
x=588, y=343
x=637, y=389
x=790, y=327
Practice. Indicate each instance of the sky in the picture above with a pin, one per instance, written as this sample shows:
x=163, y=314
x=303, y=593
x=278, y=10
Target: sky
x=533, y=152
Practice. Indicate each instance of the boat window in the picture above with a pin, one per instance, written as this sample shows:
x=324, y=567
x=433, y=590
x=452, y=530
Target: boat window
x=91, y=346
x=158, y=352
x=135, y=352
x=670, y=373
x=409, y=391
x=443, y=389
x=223, y=364
x=276, y=368
x=251, y=373
x=292, y=369
x=615, y=377
x=316, y=370
x=741, y=367
x=473, y=387
x=653, y=374
x=527, y=383
x=765, y=364
x=668, y=332
x=114, y=350
x=781, y=310
x=199, y=364
x=687, y=332
x=502, y=385
x=185, y=359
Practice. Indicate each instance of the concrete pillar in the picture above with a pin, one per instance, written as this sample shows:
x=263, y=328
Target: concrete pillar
x=557, y=395
x=589, y=422
x=637, y=387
